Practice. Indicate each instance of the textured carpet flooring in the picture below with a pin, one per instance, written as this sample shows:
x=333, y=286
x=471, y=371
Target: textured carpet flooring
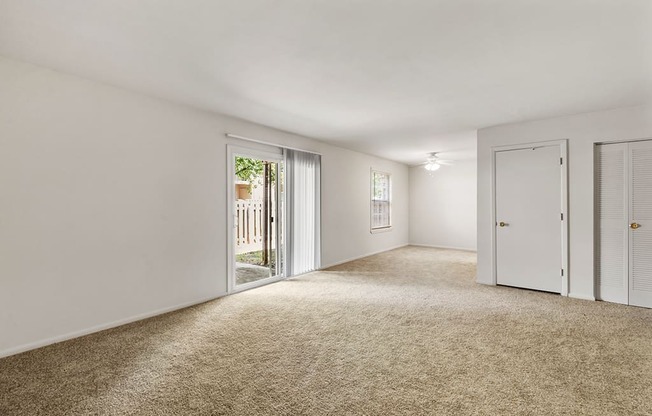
x=406, y=332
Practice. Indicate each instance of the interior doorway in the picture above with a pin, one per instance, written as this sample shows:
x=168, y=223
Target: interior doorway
x=530, y=234
x=256, y=208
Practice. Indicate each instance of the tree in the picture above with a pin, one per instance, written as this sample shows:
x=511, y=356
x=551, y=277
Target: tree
x=252, y=170
x=247, y=169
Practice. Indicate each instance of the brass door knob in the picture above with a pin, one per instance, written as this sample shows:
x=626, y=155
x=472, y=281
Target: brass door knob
x=634, y=225
x=502, y=224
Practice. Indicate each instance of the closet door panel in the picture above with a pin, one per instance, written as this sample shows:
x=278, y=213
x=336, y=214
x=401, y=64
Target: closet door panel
x=640, y=230
x=612, y=251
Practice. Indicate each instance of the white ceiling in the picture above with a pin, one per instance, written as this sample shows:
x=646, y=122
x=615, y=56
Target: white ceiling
x=395, y=78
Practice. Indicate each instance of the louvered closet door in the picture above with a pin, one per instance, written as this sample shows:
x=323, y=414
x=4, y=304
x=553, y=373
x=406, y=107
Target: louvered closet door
x=640, y=231
x=612, y=252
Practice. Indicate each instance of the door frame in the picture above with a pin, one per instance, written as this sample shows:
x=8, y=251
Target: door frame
x=231, y=152
x=563, y=154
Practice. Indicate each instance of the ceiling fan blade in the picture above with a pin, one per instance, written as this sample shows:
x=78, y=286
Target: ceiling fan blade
x=446, y=162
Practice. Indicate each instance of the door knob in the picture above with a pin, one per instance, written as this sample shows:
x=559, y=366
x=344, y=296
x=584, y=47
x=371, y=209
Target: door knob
x=502, y=224
x=634, y=225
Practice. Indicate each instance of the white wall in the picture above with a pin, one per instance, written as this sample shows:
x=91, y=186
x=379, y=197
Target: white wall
x=443, y=206
x=346, y=206
x=583, y=131
x=113, y=204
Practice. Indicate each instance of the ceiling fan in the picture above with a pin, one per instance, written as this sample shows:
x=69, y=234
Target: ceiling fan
x=433, y=162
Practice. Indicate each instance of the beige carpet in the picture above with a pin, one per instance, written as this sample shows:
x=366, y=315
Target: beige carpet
x=406, y=332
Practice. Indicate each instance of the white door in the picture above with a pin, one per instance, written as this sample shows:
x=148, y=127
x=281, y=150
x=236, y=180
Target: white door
x=640, y=219
x=528, y=197
x=612, y=211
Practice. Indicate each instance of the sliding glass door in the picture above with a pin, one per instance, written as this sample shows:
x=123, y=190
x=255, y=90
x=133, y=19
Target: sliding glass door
x=274, y=210
x=257, y=212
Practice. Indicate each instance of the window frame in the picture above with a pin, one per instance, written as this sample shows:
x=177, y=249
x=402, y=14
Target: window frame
x=384, y=228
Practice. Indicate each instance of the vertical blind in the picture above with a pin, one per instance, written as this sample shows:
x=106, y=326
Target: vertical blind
x=303, y=216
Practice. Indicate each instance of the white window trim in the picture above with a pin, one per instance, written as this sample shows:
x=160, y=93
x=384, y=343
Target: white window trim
x=385, y=228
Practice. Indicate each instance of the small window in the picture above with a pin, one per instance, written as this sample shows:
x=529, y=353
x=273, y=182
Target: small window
x=380, y=201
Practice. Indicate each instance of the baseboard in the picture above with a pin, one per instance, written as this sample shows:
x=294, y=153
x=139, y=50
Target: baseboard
x=102, y=327
x=473, y=250
x=363, y=256
x=580, y=296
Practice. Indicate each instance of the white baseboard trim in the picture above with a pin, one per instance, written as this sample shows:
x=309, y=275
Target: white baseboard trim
x=580, y=296
x=102, y=327
x=445, y=247
x=363, y=256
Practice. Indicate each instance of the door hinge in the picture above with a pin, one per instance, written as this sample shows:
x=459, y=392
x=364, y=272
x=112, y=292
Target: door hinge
x=561, y=160
x=562, y=216
x=562, y=272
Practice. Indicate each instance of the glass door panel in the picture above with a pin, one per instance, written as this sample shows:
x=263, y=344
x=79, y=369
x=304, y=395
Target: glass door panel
x=257, y=220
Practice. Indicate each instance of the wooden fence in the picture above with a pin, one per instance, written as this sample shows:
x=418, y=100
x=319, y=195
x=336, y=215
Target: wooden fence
x=249, y=225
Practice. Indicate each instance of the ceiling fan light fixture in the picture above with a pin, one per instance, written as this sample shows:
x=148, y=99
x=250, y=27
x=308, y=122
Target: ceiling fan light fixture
x=432, y=166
